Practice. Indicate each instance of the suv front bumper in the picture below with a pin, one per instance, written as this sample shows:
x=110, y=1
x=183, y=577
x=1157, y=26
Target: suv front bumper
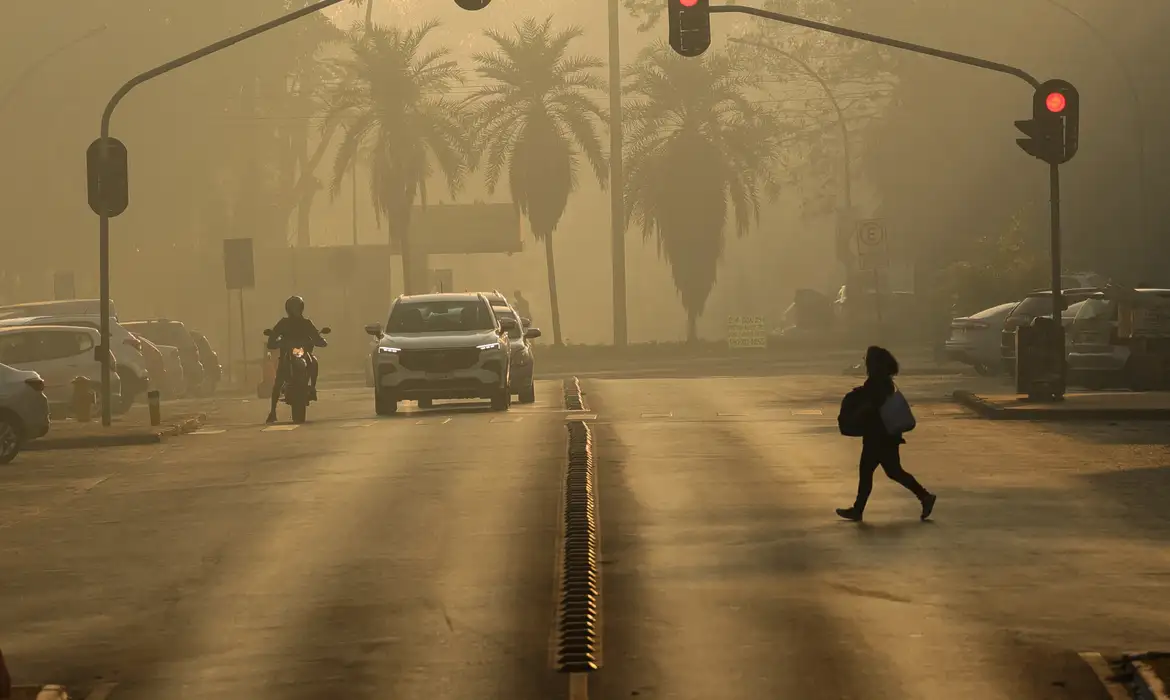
x=423, y=377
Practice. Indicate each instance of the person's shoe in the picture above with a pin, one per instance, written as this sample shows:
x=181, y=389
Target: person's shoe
x=850, y=514
x=312, y=393
x=271, y=417
x=928, y=505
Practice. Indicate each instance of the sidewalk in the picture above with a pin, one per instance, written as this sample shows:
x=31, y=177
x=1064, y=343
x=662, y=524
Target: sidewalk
x=1094, y=405
x=134, y=428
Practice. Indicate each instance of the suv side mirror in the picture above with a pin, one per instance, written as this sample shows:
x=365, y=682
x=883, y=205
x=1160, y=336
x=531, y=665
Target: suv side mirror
x=374, y=329
x=326, y=330
x=532, y=333
x=507, y=324
x=267, y=331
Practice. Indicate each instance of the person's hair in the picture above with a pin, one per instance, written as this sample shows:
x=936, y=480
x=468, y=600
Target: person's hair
x=880, y=362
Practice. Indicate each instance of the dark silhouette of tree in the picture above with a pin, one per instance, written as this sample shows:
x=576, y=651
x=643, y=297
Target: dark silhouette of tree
x=391, y=105
x=536, y=118
x=696, y=146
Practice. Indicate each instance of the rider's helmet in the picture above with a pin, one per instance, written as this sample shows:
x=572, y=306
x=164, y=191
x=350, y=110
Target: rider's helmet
x=294, y=306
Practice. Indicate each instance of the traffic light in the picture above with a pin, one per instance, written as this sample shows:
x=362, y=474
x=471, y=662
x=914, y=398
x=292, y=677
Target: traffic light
x=689, y=24
x=1053, y=131
x=472, y=4
x=107, y=178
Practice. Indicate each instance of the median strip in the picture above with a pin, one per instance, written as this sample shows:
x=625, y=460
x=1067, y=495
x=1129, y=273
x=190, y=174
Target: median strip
x=574, y=400
x=578, y=641
x=94, y=435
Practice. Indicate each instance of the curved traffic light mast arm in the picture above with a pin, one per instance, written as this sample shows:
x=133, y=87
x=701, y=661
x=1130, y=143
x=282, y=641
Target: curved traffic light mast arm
x=203, y=52
x=884, y=41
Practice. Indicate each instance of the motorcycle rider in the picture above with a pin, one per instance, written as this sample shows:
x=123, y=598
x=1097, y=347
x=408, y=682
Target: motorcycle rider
x=294, y=330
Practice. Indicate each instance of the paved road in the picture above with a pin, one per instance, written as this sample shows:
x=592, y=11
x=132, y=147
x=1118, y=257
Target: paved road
x=413, y=557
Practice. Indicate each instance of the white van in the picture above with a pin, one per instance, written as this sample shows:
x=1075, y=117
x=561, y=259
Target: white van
x=59, y=354
x=72, y=307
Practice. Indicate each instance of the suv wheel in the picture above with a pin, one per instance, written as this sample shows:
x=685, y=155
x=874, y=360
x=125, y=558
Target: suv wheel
x=384, y=404
x=10, y=438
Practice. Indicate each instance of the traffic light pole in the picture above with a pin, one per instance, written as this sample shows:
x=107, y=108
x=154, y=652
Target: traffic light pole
x=104, y=219
x=1054, y=170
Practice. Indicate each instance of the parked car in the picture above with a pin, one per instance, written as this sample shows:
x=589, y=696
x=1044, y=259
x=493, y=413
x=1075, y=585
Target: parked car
x=1033, y=306
x=1098, y=357
x=176, y=382
x=174, y=333
x=975, y=339
x=72, y=307
x=156, y=364
x=24, y=410
x=519, y=337
x=59, y=354
x=212, y=371
x=127, y=348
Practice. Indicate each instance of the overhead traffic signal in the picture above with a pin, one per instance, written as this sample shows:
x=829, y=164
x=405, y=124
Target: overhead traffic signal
x=689, y=24
x=1053, y=131
x=472, y=4
x=107, y=177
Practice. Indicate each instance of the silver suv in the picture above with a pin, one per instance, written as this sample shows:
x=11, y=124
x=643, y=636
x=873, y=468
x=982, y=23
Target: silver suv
x=440, y=346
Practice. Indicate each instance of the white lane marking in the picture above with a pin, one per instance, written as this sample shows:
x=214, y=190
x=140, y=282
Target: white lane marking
x=207, y=431
x=809, y=412
x=731, y=415
x=578, y=686
x=1101, y=669
x=280, y=427
x=510, y=419
x=668, y=414
x=432, y=421
x=363, y=424
x=581, y=416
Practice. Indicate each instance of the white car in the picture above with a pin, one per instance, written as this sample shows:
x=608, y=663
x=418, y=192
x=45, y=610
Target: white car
x=440, y=346
x=60, y=307
x=176, y=381
x=975, y=339
x=59, y=354
x=125, y=346
x=24, y=410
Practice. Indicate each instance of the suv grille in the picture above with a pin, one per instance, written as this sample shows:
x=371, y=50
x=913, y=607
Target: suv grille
x=445, y=360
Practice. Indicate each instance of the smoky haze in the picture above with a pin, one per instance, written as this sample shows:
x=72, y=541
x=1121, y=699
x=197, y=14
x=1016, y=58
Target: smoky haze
x=214, y=148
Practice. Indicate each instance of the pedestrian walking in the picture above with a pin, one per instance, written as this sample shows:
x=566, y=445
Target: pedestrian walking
x=879, y=414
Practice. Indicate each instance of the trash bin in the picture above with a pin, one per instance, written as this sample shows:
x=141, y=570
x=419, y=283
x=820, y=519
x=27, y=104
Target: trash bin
x=1041, y=363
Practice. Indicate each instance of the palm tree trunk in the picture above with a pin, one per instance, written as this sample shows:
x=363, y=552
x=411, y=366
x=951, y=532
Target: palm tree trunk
x=550, y=263
x=408, y=267
x=692, y=327
x=369, y=14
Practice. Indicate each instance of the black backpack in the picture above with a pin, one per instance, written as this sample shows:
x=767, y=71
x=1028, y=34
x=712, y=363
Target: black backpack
x=851, y=418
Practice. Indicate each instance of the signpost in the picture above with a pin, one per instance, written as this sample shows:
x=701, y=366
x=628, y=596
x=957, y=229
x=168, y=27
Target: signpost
x=873, y=256
x=746, y=332
x=239, y=274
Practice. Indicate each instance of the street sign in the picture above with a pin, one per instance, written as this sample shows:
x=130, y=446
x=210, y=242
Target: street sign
x=871, y=245
x=107, y=179
x=238, y=270
x=746, y=332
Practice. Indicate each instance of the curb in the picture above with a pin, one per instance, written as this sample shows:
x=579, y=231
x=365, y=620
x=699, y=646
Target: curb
x=152, y=437
x=990, y=411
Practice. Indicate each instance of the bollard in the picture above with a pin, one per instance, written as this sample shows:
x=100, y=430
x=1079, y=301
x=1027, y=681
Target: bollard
x=155, y=412
x=84, y=400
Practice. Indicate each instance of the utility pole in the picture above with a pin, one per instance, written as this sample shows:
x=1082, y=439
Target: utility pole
x=617, y=178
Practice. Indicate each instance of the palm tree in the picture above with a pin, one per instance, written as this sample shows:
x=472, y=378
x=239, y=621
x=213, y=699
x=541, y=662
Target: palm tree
x=392, y=107
x=536, y=117
x=695, y=144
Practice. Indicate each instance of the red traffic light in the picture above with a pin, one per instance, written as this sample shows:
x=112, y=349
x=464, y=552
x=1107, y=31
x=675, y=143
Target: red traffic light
x=688, y=3
x=1055, y=102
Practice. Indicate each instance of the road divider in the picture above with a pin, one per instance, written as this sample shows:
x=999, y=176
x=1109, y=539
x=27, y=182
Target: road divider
x=1130, y=676
x=577, y=646
x=574, y=399
x=73, y=436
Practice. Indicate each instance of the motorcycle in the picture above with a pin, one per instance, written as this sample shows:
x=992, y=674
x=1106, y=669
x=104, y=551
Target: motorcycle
x=295, y=391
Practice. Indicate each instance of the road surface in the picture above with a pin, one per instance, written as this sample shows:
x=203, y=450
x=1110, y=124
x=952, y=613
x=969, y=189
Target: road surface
x=413, y=557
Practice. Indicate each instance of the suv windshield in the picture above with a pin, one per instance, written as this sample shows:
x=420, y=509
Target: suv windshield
x=441, y=316
x=172, y=333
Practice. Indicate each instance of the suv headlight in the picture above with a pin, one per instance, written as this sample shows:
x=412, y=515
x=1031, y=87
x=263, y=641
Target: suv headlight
x=388, y=351
x=488, y=346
